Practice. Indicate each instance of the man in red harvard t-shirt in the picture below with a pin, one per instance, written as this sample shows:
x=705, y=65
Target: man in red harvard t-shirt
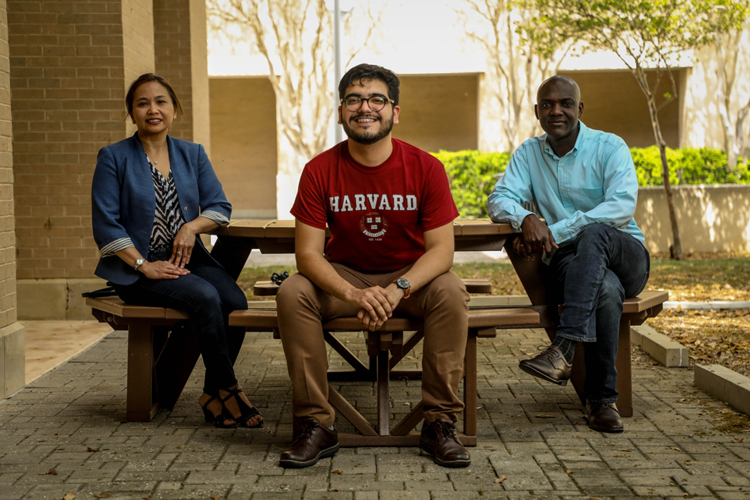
x=390, y=211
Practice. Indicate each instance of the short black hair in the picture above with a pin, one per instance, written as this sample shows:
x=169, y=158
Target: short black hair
x=370, y=72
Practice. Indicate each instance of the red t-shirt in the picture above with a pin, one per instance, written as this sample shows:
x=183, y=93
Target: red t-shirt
x=377, y=215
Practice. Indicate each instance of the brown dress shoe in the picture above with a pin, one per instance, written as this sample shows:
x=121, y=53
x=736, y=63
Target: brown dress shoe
x=550, y=365
x=439, y=440
x=313, y=443
x=604, y=417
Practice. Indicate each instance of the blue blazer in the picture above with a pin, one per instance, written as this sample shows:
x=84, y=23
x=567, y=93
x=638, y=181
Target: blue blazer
x=123, y=200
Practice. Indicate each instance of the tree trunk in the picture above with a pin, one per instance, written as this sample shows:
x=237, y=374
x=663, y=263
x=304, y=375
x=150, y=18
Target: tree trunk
x=676, y=247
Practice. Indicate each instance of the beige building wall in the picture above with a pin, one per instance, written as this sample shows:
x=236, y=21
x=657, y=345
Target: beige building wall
x=243, y=135
x=12, y=347
x=181, y=58
x=614, y=102
x=711, y=218
x=439, y=111
x=701, y=123
x=70, y=63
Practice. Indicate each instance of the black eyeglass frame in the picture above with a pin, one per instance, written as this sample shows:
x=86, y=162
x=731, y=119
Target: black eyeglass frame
x=363, y=99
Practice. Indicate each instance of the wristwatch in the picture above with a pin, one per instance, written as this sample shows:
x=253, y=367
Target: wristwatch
x=404, y=285
x=138, y=263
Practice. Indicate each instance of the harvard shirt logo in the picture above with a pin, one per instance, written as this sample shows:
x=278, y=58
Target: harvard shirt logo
x=373, y=225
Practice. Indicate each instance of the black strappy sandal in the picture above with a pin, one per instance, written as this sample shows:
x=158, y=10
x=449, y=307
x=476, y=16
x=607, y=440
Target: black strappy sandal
x=246, y=412
x=218, y=420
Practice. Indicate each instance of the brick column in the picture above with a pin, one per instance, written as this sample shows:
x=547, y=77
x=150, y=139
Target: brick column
x=70, y=65
x=181, y=58
x=12, y=347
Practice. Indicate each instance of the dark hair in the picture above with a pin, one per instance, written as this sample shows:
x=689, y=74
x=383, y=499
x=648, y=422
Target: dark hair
x=145, y=78
x=370, y=72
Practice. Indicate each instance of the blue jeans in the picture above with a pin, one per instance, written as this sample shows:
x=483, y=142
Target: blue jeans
x=591, y=277
x=209, y=294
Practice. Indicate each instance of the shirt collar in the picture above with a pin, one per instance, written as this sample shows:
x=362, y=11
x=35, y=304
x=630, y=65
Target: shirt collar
x=582, y=131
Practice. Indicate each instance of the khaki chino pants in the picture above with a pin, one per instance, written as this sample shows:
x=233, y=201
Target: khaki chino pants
x=442, y=304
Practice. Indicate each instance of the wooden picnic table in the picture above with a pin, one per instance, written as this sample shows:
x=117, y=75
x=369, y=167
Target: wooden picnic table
x=239, y=238
x=159, y=363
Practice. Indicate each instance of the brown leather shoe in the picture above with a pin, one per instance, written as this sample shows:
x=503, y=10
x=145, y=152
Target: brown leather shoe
x=550, y=365
x=604, y=417
x=313, y=443
x=439, y=440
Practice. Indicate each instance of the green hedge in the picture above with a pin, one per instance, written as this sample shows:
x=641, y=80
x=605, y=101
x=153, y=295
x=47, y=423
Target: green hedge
x=472, y=174
x=687, y=166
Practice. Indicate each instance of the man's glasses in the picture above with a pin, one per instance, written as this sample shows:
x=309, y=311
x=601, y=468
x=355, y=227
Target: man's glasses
x=376, y=102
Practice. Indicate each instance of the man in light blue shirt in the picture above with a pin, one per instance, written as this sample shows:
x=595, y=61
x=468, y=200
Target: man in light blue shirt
x=584, y=184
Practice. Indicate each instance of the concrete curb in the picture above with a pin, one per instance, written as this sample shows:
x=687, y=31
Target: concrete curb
x=714, y=305
x=724, y=384
x=660, y=347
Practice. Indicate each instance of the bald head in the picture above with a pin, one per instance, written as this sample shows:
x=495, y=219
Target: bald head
x=561, y=82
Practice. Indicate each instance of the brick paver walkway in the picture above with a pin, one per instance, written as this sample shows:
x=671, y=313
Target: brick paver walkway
x=65, y=435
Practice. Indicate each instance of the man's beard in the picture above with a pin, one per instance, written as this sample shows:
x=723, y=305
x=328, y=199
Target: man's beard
x=368, y=138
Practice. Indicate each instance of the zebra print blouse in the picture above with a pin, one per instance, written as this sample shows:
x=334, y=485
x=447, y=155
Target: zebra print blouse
x=168, y=218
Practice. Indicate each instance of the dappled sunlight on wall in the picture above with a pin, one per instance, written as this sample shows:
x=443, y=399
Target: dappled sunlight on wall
x=711, y=218
x=701, y=123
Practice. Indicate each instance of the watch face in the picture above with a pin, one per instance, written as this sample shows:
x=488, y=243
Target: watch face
x=402, y=283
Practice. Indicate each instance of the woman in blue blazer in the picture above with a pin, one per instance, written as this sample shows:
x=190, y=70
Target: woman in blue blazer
x=152, y=195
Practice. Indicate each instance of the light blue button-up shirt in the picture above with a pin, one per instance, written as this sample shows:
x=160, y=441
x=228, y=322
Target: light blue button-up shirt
x=593, y=182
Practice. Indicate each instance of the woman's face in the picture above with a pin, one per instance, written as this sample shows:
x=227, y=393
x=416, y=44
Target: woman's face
x=153, y=109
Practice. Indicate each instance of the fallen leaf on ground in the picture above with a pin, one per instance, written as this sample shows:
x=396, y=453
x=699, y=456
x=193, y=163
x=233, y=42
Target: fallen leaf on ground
x=69, y=496
x=214, y=497
x=501, y=478
x=103, y=495
x=91, y=450
x=336, y=472
x=52, y=472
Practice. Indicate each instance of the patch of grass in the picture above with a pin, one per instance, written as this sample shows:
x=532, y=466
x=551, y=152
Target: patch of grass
x=700, y=277
x=502, y=276
x=712, y=337
x=703, y=277
x=250, y=275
